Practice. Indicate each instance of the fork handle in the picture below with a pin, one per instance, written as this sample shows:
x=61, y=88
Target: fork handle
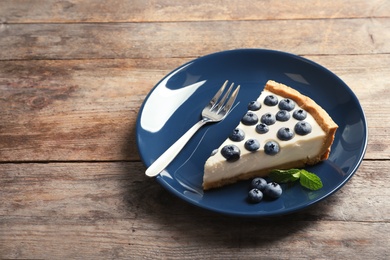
x=167, y=157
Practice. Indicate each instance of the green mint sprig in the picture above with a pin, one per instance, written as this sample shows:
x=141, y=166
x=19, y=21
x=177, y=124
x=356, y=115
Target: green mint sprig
x=307, y=179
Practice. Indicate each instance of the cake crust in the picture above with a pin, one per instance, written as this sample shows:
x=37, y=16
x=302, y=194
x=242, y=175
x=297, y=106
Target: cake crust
x=320, y=115
x=249, y=175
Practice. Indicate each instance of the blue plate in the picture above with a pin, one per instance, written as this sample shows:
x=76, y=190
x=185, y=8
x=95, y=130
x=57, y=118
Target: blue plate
x=175, y=104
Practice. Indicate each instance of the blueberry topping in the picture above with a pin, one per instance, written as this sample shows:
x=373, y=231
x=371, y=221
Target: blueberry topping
x=273, y=190
x=302, y=128
x=252, y=145
x=231, y=152
x=254, y=105
x=258, y=183
x=255, y=196
x=285, y=134
x=300, y=114
x=286, y=104
x=250, y=118
x=271, y=100
x=283, y=115
x=271, y=148
x=237, y=135
x=262, y=128
x=268, y=119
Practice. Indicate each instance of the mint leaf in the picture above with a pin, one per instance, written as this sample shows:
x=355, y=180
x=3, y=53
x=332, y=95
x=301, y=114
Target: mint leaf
x=307, y=179
x=283, y=176
x=310, y=180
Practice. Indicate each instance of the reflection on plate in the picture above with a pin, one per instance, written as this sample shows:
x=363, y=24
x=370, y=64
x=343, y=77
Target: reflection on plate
x=175, y=104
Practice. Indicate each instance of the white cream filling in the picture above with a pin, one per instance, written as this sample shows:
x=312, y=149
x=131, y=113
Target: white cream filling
x=298, y=148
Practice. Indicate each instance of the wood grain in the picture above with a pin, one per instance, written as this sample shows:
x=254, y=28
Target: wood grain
x=86, y=110
x=45, y=11
x=192, y=39
x=110, y=210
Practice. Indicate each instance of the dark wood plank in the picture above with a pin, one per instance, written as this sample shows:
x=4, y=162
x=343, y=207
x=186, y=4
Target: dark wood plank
x=110, y=210
x=272, y=239
x=191, y=39
x=44, y=11
x=86, y=110
x=121, y=190
x=89, y=106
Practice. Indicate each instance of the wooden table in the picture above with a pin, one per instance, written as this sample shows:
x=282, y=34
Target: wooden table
x=73, y=75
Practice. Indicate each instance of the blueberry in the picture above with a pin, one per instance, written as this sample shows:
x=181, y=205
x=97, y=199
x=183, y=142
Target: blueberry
x=283, y=115
x=250, y=118
x=231, y=152
x=254, y=105
x=271, y=148
x=268, y=119
x=258, y=183
x=300, y=114
x=287, y=104
x=302, y=128
x=273, y=190
x=262, y=128
x=237, y=135
x=252, y=145
x=285, y=134
x=271, y=100
x=255, y=196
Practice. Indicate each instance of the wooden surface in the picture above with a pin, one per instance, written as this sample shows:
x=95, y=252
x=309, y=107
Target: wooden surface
x=73, y=75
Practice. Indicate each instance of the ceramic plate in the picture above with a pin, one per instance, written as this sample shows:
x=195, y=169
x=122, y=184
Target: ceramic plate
x=175, y=104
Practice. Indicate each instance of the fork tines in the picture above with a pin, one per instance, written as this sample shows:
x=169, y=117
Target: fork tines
x=224, y=103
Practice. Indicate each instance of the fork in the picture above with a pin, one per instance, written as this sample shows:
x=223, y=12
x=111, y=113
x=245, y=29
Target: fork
x=216, y=110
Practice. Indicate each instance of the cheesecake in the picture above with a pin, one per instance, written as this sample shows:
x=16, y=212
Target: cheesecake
x=282, y=129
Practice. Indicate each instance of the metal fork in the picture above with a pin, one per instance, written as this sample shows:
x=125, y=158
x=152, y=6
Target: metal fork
x=215, y=111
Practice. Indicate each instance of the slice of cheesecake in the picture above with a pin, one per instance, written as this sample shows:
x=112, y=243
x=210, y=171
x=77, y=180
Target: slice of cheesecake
x=282, y=129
